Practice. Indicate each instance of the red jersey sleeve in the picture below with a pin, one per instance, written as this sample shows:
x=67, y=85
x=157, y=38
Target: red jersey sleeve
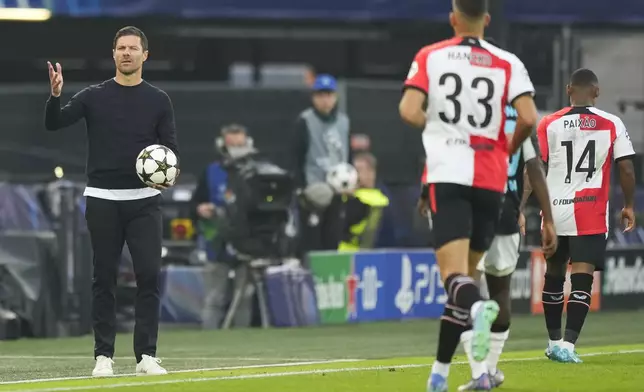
x=423, y=178
x=542, y=135
x=417, y=76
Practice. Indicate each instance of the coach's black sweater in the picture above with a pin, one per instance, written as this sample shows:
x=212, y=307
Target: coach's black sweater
x=121, y=121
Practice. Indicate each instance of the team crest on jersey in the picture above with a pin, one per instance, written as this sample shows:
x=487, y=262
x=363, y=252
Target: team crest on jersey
x=413, y=70
x=481, y=59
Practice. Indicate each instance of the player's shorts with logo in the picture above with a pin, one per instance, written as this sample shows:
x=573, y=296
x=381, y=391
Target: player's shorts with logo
x=589, y=249
x=459, y=211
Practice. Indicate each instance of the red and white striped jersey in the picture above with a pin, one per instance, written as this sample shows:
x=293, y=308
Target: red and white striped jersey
x=579, y=145
x=468, y=83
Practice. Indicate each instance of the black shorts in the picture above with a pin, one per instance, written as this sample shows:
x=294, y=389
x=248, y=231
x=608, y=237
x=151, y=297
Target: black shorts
x=589, y=249
x=460, y=212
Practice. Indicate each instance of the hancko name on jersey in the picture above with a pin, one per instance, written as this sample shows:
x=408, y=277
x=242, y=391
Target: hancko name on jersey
x=582, y=122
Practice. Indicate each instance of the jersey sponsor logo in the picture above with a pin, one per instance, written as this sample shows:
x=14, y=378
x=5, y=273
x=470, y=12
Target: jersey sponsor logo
x=575, y=200
x=413, y=70
x=453, y=141
x=582, y=122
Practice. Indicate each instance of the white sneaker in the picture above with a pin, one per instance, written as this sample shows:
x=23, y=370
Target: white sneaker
x=149, y=366
x=103, y=367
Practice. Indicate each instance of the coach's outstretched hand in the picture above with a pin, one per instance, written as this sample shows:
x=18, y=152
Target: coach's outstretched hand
x=548, y=239
x=628, y=218
x=55, y=79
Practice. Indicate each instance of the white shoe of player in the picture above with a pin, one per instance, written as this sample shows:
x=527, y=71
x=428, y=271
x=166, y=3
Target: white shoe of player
x=149, y=366
x=103, y=367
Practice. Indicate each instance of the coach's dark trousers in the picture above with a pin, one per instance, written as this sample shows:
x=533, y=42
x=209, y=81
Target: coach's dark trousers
x=111, y=224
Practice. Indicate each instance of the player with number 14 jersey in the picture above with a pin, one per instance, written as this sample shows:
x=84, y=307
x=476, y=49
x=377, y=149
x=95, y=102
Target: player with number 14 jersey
x=579, y=145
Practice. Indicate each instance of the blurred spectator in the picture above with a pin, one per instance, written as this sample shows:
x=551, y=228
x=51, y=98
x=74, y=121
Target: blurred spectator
x=319, y=142
x=365, y=209
x=360, y=143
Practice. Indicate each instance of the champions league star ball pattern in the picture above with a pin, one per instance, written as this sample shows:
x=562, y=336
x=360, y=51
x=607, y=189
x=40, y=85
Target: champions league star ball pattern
x=343, y=178
x=157, y=164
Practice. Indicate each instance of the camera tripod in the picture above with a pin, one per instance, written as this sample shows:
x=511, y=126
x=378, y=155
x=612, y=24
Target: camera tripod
x=251, y=272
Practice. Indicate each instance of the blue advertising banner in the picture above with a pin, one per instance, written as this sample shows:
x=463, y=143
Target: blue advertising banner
x=544, y=11
x=395, y=285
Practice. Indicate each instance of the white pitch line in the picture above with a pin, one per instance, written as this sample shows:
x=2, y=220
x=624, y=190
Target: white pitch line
x=91, y=358
x=292, y=373
x=259, y=366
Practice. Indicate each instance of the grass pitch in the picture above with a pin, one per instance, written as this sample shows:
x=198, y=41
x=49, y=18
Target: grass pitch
x=379, y=357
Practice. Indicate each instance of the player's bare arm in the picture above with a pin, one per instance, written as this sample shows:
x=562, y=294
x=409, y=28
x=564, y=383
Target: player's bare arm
x=538, y=185
x=627, y=182
x=527, y=190
x=527, y=117
x=411, y=108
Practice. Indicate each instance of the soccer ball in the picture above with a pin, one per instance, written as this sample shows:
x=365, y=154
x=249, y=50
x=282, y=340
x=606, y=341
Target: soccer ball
x=343, y=178
x=157, y=164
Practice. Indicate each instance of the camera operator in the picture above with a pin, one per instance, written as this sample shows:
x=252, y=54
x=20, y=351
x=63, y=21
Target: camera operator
x=209, y=200
x=211, y=189
x=319, y=142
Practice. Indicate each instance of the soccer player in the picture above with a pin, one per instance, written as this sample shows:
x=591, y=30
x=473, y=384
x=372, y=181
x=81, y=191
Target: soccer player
x=123, y=115
x=578, y=145
x=467, y=84
x=500, y=261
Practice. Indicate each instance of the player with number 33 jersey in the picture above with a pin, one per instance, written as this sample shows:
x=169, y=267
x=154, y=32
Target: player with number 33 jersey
x=457, y=91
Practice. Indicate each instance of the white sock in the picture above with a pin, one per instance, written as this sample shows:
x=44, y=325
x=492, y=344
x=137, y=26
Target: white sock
x=475, y=308
x=440, y=368
x=478, y=368
x=553, y=343
x=496, y=348
x=567, y=345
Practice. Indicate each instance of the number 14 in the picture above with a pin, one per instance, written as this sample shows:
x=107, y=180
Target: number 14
x=589, y=151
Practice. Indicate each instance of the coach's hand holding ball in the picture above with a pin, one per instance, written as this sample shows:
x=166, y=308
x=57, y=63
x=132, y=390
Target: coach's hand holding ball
x=55, y=79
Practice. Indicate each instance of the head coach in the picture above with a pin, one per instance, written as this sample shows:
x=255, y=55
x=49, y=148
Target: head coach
x=123, y=115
